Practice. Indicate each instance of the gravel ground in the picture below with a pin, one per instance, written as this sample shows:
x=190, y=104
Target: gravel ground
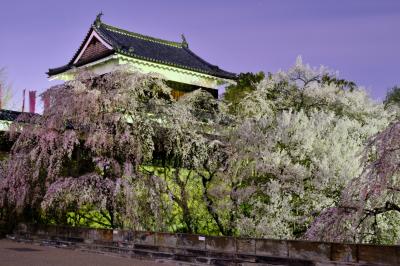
x=20, y=254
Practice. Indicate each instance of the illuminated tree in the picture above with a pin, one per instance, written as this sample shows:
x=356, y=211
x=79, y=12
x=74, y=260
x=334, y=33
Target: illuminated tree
x=119, y=151
x=295, y=149
x=369, y=207
x=5, y=90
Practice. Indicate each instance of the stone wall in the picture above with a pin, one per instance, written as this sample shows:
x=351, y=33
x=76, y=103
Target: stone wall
x=210, y=249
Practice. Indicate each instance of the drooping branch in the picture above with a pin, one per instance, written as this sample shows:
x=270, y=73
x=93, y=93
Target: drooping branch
x=375, y=190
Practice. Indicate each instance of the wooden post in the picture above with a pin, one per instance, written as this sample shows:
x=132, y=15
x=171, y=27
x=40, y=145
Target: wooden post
x=23, y=100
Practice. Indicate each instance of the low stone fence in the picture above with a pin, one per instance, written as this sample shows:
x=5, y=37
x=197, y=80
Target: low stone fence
x=200, y=249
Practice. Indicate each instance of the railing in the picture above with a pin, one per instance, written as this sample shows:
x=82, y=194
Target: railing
x=212, y=249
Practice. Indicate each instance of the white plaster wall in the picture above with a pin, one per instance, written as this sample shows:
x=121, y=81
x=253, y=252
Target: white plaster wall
x=111, y=63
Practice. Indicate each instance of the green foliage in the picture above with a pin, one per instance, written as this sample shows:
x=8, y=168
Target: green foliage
x=392, y=97
x=245, y=83
x=340, y=83
x=184, y=189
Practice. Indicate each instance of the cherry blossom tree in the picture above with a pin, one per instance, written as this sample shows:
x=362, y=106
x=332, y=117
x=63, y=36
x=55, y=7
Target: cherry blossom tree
x=118, y=151
x=369, y=207
x=296, y=147
x=5, y=90
x=114, y=151
x=86, y=149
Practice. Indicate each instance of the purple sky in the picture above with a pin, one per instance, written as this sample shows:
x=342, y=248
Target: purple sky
x=359, y=38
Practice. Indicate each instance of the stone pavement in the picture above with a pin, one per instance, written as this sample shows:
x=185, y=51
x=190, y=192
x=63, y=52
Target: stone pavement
x=22, y=254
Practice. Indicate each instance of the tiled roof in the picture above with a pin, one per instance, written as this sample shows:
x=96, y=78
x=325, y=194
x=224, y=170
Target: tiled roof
x=147, y=48
x=10, y=115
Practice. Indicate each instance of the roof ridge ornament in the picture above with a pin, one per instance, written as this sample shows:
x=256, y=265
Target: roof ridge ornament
x=97, y=22
x=184, y=42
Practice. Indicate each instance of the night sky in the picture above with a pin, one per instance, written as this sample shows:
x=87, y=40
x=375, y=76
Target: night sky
x=358, y=38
